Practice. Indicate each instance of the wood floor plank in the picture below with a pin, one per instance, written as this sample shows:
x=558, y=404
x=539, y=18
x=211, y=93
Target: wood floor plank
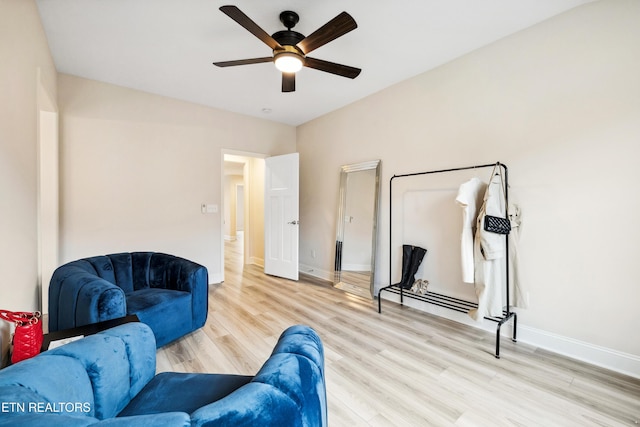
x=403, y=367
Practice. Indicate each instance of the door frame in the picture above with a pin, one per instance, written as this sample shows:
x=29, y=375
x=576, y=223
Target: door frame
x=247, y=191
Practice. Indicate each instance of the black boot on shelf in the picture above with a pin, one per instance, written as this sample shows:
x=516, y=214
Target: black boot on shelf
x=411, y=259
x=417, y=255
x=407, y=252
x=406, y=261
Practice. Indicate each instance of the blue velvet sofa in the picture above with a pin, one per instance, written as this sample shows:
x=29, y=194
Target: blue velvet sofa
x=108, y=379
x=166, y=292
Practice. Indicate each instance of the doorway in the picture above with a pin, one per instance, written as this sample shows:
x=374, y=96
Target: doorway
x=243, y=207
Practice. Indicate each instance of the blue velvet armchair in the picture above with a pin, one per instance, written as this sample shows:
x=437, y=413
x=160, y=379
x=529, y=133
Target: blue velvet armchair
x=108, y=379
x=166, y=292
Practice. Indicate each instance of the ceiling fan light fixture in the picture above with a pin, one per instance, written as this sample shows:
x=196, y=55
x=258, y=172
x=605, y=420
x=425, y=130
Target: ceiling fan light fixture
x=288, y=62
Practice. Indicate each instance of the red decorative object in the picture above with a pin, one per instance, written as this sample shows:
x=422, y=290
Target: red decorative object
x=27, y=338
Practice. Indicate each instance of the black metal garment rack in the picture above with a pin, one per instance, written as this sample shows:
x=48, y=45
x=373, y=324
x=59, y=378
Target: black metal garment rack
x=445, y=301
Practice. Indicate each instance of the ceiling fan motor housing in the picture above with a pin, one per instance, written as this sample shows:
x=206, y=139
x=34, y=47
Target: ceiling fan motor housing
x=288, y=37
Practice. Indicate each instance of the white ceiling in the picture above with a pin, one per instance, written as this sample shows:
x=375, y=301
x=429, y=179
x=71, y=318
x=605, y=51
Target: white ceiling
x=167, y=47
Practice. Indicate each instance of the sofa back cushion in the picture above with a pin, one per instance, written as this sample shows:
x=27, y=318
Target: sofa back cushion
x=133, y=271
x=129, y=271
x=118, y=363
x=101, y=266
x=121, y=268
x=105, y=362
x=29, y=386
x=140, y=269
x=140, y=345
x=93, y=377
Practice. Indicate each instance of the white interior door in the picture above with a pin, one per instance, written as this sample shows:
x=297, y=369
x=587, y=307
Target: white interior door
x=281, y=216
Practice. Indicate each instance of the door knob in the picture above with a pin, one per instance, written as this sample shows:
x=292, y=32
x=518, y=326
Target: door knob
x=294, y=222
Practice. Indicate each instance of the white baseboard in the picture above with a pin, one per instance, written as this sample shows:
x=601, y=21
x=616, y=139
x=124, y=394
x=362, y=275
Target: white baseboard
x=316, y=272
x=356, y=267
x=624, y=363
x=614, y=360
x=257, y=261
x=215, y=278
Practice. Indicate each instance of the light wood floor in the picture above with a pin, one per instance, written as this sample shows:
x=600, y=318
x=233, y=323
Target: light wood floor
x=402, y=367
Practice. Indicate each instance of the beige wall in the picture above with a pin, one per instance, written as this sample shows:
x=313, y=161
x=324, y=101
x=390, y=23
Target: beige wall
x=137, y=167
x=560, y=104
x=25, y=65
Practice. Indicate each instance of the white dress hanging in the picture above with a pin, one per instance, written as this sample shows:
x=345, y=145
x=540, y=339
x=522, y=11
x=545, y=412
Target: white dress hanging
x=470, y=199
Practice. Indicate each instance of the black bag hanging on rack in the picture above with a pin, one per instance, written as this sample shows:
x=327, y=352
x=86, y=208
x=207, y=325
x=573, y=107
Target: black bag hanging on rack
x=496, y=224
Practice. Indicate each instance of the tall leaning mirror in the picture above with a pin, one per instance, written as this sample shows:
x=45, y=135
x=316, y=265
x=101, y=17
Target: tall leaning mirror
x=356, y=228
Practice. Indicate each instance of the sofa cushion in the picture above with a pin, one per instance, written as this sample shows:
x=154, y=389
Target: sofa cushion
x=168, y=272
x=140, y=345
x=166, y=311
x=122, y=274
x=140, y=266
x=255, y=404
x=64, y=380
x=167, y=419
x=183, y=392
x=100, y=266
x=106, y=361
x=49, y=420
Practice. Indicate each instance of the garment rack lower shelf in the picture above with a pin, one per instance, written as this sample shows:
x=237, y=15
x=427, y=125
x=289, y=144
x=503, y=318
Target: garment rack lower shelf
x=452, y=303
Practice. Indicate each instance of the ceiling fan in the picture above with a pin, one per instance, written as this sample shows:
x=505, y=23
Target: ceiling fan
x=290, y=48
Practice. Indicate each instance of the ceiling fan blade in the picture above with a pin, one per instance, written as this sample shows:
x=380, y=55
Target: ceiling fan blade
x=288, y=82
x=337, y=27
x=243, y=62
x=237, y=15
x=332, y=67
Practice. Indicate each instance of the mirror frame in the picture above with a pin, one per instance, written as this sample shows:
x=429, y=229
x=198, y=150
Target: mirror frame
x=342, y=202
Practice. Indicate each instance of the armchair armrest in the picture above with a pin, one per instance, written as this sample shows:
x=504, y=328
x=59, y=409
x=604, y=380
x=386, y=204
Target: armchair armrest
x=81, y=298
x=289, y=389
